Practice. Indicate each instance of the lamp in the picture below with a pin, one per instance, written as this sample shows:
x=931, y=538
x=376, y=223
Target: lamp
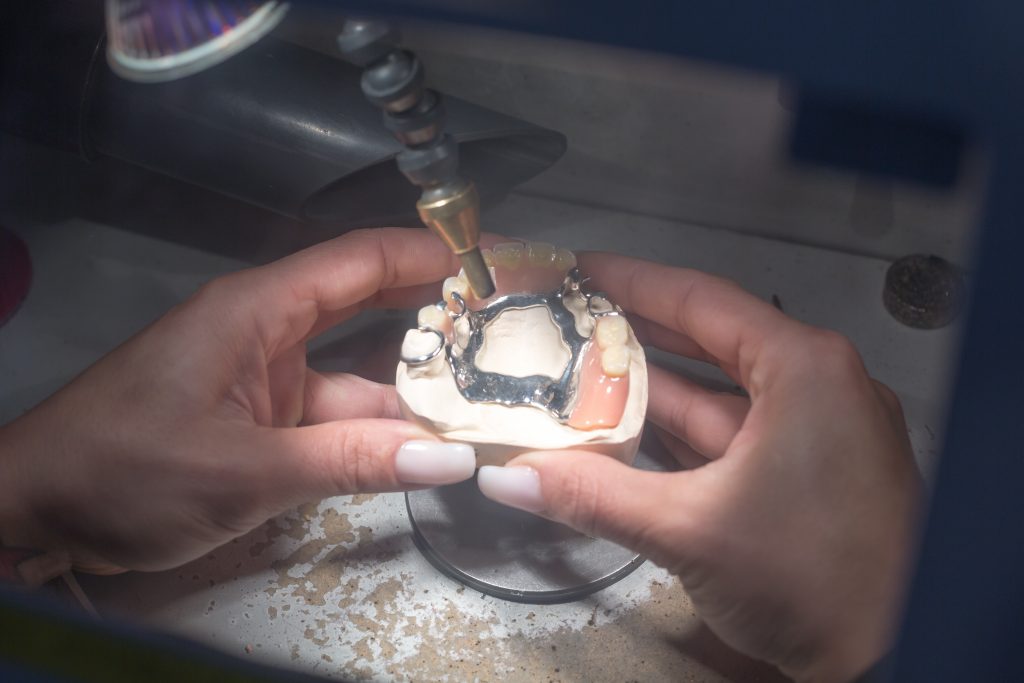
x=161, y=40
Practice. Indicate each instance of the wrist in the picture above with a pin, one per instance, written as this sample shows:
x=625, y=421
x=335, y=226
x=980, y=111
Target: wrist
x=10, y=487
x=855, y=645
x=15, y=491
x=12, y=556
x=851, y=665
x=26, y=558
x=878, y=672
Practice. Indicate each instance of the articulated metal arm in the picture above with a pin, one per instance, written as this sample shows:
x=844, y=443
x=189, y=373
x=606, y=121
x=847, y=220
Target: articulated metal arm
x=393, y=80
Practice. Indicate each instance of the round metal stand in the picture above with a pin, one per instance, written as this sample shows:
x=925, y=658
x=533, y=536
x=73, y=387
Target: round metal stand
x=511, y=554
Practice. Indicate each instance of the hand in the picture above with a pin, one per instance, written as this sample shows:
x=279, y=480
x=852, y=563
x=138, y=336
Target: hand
x=793, y=539
x=186, y=436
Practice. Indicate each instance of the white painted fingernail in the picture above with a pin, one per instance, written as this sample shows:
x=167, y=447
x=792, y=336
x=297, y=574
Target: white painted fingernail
x=434, y=462
x=517, y=487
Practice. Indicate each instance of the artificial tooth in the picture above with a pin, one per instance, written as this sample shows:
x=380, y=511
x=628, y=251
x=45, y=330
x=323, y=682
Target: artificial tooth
x=615, y=361
x=565, y=260
x=488, y=257
x=433, y=317
x=540, y=253
x=418, y=344
x=599, y=304
x=611, y=331
x=509, y=255
x=454, y=284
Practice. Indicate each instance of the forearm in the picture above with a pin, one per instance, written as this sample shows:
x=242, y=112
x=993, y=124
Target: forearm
x=12, y=503
x=23, y=560
x=23, y=449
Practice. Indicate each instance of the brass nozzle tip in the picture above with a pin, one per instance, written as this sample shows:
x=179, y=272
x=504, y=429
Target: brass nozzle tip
x=454, y=216
x=477, y=273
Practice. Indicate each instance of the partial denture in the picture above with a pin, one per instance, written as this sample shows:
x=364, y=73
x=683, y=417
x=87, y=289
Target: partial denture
x=435, y=318
x=509, y=255
x=419, y=344
x=615, y=361
x=611, y=335
x=449, y=362
x=454, y=284
x=529, y=267
x=565, y=260
x=540, y=254
x=602, y=397
x=604, y=377
x=457, y=285
x=539, y=266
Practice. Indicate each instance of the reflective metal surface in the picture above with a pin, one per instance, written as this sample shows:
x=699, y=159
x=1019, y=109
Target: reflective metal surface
x=161, y=40
x=432, y=354
x=558, y=395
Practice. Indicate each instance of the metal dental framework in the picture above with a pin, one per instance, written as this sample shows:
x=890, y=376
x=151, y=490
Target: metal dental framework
x=556, y=396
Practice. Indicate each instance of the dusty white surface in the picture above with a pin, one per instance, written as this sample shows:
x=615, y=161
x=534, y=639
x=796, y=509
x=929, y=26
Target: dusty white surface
x=338, y=588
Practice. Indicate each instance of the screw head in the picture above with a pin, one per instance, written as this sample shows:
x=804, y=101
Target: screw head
x=364, y=42
x=924, y=291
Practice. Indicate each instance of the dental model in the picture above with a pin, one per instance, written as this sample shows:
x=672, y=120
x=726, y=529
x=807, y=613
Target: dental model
x=542, y=364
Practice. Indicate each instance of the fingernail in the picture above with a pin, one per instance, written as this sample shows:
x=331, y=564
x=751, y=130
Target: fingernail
x=434, y=462
x=517, y=487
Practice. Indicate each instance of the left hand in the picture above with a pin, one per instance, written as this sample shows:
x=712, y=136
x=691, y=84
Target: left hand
x=795, y=536
x=189, y=434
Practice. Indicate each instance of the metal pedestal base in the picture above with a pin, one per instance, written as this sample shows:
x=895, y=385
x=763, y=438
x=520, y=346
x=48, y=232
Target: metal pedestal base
x=511, y=554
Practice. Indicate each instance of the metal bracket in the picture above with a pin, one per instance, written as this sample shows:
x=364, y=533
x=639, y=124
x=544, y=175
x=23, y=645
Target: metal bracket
x=556, y=396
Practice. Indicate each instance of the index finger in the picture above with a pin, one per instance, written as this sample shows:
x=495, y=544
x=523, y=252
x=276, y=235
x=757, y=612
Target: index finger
x=726, y=321
x=284, y=299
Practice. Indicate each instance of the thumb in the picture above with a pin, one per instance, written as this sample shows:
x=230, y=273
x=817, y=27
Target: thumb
x=362, y=456
x=37, y=570
x=599, y=496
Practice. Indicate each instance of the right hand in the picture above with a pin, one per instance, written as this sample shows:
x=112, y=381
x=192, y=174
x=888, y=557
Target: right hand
x=794, y=539
x=209, y=421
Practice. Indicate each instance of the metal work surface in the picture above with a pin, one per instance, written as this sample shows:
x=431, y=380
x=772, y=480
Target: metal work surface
x=337, y=587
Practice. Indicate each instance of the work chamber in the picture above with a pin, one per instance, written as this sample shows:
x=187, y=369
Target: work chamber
x=847, y=185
